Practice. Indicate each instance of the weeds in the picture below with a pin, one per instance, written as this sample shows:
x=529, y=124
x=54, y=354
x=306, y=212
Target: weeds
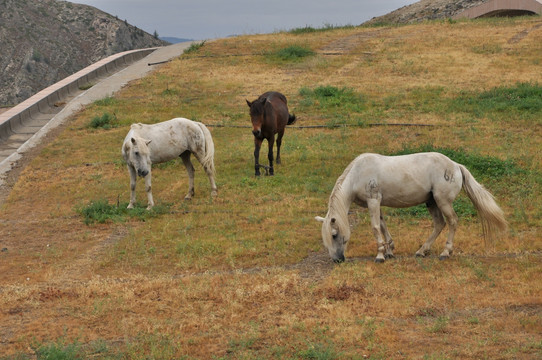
x=106, y=101
x=310, y=29
x=101, y=211
x=194, y=47
x=319, y=352
x=106, y=121
x=59, y=350
x=293, y=53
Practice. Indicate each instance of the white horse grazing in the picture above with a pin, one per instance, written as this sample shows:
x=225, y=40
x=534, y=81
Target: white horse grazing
x=373, y=180
x=150, y=144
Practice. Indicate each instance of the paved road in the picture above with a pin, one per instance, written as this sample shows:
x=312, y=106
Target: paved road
x=20, y=144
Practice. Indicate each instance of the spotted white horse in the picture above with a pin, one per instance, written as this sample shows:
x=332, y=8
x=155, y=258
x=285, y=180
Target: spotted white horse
x=373, y=180
x=145, y=145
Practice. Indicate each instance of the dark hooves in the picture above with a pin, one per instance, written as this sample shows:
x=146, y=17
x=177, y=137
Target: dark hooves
x=379, y=261
x=443, y=257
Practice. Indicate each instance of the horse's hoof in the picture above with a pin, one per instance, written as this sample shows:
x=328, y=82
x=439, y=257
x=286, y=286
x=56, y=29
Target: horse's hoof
x=390, y=256
x=379, y=260
x=214, y=193
x=443, y=257
x=418, y=255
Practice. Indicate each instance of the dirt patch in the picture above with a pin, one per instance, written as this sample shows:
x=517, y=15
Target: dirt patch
x=523, y=34
x=347, y=44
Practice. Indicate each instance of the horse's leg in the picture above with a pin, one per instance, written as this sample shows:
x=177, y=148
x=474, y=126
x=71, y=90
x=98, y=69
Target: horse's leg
x=374, y=210
x=438, y=225
x=279, y=143
x=271, y=142
x=148, y=189
x=133, y=179
x=389, y=242
x=185, y=156
x=257, y=146
x=209, y=172
x=451, y=218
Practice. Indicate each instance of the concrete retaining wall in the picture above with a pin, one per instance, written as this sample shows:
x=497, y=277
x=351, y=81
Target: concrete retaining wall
x=501, y=6
x=45, y=100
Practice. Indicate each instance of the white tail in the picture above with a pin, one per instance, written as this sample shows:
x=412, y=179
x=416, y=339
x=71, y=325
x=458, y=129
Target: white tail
x=491, y=215
x=208, y=159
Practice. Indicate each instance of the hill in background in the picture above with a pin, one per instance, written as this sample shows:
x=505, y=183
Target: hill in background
x=48, y=40
x=425, y=10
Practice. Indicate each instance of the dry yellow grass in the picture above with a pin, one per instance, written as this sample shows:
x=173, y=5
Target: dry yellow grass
x=245, y=275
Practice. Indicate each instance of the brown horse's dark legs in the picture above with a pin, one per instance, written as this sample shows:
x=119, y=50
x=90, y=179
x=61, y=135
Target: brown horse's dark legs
x=271, y=142
x=257, y=145
x=279, y=143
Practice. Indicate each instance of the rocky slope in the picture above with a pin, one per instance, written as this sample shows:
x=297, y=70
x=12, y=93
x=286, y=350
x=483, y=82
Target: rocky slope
x=425, y=10
x=42, y=42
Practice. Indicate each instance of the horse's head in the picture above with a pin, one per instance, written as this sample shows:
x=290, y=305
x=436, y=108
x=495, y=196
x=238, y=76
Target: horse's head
x=136, y=153
x=335, y=235
x=256, y=115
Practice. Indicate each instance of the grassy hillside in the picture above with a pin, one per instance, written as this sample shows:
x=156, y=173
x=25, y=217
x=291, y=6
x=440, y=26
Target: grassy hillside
x=244, y=275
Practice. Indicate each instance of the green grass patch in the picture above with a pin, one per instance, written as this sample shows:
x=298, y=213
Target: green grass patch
x=332, y=100
x=101, y=211
x=293, y=53
x=106, y=121
x=318, y=351
x=522, y=101
x=106, y=101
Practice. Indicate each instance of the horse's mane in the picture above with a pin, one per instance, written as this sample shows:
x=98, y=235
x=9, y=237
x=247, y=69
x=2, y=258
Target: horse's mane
x=337, y=198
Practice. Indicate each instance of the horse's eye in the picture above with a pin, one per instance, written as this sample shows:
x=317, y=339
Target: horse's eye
x=334, y=236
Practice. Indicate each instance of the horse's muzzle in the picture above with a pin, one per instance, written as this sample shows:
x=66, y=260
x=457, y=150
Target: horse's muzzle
x=257, y=133
x=142, y=173
x=338, y=258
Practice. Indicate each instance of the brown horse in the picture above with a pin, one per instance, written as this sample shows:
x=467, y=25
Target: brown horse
x=269, y=115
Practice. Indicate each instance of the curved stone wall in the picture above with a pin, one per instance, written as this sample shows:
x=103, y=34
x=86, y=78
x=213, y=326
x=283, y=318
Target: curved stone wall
x=502, y=8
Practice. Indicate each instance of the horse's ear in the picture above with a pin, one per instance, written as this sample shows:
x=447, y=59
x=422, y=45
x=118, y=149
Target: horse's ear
x=319, y=218
x=333, y=220
x=263, y=100
x=148, y=142
x=248, y=103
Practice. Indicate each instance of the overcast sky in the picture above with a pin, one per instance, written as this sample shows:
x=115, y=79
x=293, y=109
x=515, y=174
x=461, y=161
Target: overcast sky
x=208, y=19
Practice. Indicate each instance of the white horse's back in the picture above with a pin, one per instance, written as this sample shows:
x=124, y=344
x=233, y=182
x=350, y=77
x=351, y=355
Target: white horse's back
x=405, y=180
x=373, y=180
x=170, y=138
x=145, y=145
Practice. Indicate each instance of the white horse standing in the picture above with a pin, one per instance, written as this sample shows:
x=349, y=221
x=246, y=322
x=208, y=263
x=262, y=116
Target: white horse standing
x=373, y=180
x=145, y=145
